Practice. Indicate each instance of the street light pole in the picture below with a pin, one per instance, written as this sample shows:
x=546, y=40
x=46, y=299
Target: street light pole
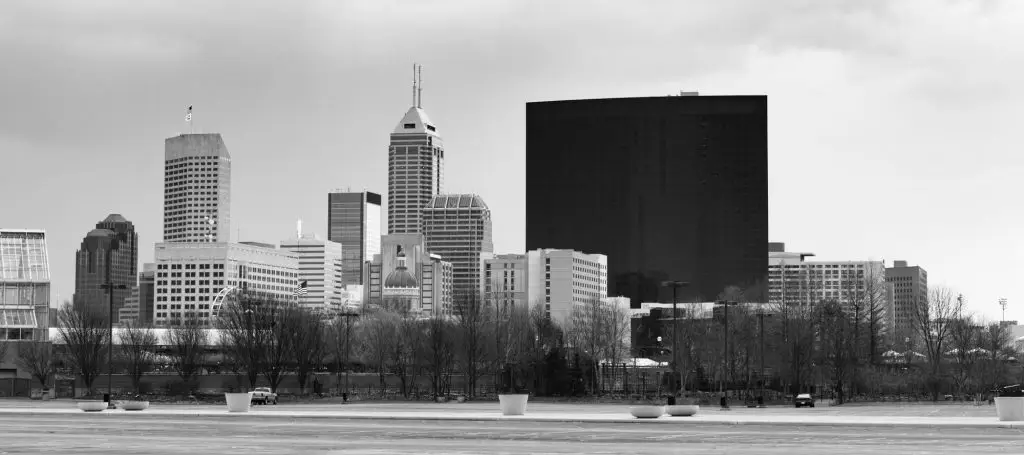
x=675, y=285
x=110, y=287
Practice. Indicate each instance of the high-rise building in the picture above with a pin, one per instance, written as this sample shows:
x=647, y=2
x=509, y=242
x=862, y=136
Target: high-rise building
x=670, y=188
x=860, y=285
x=197, y=189
x=563, y=281
x=191, y=276
x=24, y=286
x=138, y=306
x=91, y=267
x=432, y=275
x=457, y=227
x=415, y=169
x=910, y=295
x=353, y=220
x=320, y=267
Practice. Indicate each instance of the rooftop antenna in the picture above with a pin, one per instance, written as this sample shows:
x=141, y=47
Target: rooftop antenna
x=419, y=85
x=413, y=85
x=298, y=228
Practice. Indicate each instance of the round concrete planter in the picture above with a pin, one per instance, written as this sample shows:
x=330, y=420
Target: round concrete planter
x=134, y=405
x=682, y=410
x=1010, y=409
x=92, y=405
x=513, y=404
x=647, y=412
x=238, y=402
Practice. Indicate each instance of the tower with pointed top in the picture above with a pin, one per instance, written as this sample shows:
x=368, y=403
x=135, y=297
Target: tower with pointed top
x=415, y=166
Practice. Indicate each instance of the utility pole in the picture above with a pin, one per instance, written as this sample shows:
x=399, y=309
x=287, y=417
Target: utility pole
x=109, y=286
x=675, y=285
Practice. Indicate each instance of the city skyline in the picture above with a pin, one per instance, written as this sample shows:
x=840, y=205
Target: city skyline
x=884, y=132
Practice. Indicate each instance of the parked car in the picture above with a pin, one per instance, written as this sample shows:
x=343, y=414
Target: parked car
x=803, y=399
x=263, y=395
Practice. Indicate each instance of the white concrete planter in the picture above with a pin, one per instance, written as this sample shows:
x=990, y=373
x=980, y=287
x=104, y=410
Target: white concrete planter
x=1010, y=409
x=238, y=402
x=92, y=405
x=134, y=405
x=647, y=412
x=682, y=410
x=513, y=404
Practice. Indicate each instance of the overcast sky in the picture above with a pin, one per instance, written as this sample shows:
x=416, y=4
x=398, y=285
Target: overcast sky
x=891, y=123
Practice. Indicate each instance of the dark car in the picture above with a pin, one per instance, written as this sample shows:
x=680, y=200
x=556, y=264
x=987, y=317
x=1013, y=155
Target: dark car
x=803, y=399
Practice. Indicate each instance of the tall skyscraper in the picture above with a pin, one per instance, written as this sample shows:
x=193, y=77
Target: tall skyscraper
x=353, y=220
x=91, y=267
x=415, y=168
x=197, y=189
x=669, y=188
x=457, y=227
x=24, y=286
x=320, y=267
x=910, y=295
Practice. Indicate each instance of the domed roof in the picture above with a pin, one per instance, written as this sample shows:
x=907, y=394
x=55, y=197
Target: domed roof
x=400, y=278
x=100, y=233
x=115, y=218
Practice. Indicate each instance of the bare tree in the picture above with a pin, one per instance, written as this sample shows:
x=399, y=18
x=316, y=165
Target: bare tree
x=403, y=348
x=438, y=353
x=340, y=339
x=306, y=340
x=137, y=351
x=84, y=333
x=37, y=358
x=932, y=325
x=275, y=321
x=240, y=339
x=964, y=338
x=186, y=343
x=994, y=342
x=837, y=340
x=376, y=338
x=516, y=340
x=473, y=322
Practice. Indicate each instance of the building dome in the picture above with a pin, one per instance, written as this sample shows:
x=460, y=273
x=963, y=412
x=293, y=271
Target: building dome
x=400, y=277
x=100, y=233
x=114, y=218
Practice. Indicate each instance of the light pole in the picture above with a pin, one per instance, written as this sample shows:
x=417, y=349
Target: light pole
x=1002, y=303
x=675, y=285
x=760, y=316
x=348, y=330
x=109, y=286
x=728, y=360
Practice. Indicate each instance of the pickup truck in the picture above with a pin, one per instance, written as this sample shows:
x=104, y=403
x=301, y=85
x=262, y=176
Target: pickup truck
x=263, y=395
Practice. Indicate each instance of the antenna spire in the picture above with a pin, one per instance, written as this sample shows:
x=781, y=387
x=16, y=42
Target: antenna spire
x=414, y=84
x=419, y=85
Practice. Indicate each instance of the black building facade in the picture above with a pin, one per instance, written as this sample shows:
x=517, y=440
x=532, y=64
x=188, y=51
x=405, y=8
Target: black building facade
x=669, y=188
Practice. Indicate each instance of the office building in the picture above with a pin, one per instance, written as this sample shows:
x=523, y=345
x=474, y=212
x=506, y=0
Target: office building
x=415, y=169
x=138, y=306
x=859, y=285
x=457, y=227
x=320, y=266
x=404, y=257
x=197, y=189
x=670, y=188
x=91, y=267
x=565, y=282
x=910, y=295
x=191, y=276
x=353, y=220
x=24, y=285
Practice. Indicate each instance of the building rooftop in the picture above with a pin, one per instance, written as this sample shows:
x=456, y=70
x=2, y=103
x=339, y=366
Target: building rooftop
x=100, y=233
x=114, y=218
x=450, y=201
x=415, y=121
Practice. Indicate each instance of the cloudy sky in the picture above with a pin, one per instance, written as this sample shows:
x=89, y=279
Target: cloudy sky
x=891, y=123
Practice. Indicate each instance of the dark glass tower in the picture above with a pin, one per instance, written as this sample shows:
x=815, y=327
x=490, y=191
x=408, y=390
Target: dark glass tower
x=91, y=264
x=353, y=220
x=669, y=188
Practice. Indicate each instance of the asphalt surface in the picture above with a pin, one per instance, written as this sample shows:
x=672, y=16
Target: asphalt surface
x=92, y=433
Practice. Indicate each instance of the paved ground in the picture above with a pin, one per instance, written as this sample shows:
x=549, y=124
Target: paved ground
x=125, y=433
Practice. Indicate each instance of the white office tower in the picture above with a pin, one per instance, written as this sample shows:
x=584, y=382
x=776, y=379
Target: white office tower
x=320, y=267
x=197, y=189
